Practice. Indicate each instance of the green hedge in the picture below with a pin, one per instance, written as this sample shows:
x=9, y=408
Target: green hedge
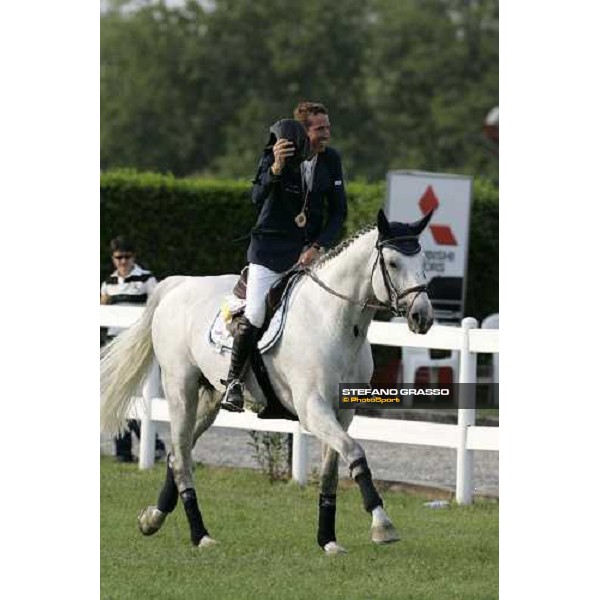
x=200, y=226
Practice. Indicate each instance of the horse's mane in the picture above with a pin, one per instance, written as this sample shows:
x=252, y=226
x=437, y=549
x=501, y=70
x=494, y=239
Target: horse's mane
x=336, y=250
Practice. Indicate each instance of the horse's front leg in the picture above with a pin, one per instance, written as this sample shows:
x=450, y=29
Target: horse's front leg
x=320, y=419
x=326, y=537
x=327, y=502
x=382, y=528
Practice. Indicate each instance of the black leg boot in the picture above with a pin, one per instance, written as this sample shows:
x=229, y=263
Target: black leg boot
x=243, y=342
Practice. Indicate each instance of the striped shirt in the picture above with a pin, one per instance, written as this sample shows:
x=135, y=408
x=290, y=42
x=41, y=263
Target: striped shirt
x=133, y=290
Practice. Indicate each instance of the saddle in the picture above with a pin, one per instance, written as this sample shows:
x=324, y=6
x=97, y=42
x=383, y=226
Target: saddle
x=273, y=297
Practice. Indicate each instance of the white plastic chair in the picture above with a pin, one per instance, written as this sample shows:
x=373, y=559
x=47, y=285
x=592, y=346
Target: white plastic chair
x=493, y=322
x=415, y=358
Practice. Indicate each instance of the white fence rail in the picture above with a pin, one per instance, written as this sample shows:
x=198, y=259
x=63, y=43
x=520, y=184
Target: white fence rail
x=464, y=436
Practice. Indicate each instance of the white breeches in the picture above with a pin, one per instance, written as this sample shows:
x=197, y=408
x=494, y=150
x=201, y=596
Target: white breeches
x=260, y=280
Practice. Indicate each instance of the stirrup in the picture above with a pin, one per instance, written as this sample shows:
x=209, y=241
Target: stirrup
x=233, y=399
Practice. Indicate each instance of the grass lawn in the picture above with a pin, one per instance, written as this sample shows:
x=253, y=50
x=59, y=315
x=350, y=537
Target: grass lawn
x=268, y=546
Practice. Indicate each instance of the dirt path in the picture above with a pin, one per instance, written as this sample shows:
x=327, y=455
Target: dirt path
x=422, y=465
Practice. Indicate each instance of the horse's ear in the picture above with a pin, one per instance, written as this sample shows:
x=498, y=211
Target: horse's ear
x=418, y=226
x=383, y=225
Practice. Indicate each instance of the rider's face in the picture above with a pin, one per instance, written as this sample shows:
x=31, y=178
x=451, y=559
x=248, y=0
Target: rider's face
x=318, y=131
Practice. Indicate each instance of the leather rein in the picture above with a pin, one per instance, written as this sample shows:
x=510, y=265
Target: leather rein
x=394, y=294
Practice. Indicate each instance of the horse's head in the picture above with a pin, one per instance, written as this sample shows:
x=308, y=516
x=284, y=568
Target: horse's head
x=399, y=279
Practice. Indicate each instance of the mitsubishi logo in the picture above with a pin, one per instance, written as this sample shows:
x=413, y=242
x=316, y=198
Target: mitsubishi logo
x=442, y=234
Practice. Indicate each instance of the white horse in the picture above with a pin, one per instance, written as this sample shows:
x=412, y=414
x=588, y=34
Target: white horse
x=323, y=344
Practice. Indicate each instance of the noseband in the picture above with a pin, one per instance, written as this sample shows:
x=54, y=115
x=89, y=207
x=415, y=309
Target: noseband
x=394, y=294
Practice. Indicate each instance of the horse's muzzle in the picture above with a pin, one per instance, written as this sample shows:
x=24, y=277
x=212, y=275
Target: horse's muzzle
x=420, y=318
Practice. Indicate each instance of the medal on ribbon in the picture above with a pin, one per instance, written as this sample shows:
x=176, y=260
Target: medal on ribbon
x=300, y=219
x=307, y=181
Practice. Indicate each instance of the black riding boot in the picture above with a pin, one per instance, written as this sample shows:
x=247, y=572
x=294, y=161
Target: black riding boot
x=243, y=341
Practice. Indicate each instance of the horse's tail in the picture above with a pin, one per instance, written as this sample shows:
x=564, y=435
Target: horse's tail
x=125, y=362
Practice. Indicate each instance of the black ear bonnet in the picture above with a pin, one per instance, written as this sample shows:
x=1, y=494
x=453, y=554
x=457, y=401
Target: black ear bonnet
x=403, y=237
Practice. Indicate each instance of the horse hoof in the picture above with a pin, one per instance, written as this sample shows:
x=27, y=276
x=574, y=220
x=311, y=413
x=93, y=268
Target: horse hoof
x=384, y=534
x=207, y=541
x=334, y=548
x=150, y=520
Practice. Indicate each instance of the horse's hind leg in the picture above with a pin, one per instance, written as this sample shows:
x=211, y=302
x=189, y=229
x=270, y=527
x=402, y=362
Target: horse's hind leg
x=183, y=396
x=208, y=408
x=182, y=392
x=151, y=519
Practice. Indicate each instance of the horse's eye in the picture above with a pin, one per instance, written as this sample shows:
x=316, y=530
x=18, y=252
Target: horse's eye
x=393, y=264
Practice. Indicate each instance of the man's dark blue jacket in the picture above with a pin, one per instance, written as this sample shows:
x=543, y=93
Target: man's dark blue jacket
x=276, y=240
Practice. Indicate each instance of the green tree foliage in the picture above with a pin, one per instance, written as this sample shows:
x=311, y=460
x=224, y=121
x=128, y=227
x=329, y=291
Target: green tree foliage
x=434, y=76
x=193, y=88
x=152, y=109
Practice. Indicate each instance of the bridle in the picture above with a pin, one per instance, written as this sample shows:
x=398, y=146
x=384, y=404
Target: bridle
x=394, y=294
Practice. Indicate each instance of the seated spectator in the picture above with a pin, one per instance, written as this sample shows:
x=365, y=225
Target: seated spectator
x=130, y=285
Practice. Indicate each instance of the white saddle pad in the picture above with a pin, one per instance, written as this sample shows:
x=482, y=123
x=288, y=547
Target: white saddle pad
x=221, y=339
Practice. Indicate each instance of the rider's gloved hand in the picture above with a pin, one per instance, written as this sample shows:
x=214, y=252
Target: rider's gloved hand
x=309, y=256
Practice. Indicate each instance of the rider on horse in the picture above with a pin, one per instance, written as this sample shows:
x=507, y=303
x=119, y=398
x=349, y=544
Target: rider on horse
x=296, y=175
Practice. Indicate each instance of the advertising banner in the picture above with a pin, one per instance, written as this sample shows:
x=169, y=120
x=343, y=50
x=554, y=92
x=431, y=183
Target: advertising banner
x=445, y=242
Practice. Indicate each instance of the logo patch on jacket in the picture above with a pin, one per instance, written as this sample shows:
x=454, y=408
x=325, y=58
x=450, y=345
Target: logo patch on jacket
x=292, y=188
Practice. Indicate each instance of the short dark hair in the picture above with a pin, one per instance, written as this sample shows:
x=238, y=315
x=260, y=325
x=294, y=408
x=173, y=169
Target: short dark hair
x=122, y=244
x=306, y=109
